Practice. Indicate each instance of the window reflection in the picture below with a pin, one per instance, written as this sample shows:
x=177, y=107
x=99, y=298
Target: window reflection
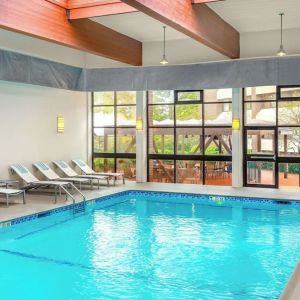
x=289, y=175
x=218, y=173
x=289, y=141
x=189, y=141
x=260, y=142
x=127, y=167
x=260, y=93
x=218, y=141
x=260, y=113
x=104, y=140
x=161, y=170
x=189, y=171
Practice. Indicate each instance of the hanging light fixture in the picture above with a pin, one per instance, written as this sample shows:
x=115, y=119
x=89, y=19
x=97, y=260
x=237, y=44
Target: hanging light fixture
x=281, y=51
x=164, y=60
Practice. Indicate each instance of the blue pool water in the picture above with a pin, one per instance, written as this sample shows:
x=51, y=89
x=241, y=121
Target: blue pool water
x=153, y=246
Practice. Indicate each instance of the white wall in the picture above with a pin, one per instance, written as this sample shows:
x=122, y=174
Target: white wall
x=253, y=44
x=28, y=125
x=266, y=43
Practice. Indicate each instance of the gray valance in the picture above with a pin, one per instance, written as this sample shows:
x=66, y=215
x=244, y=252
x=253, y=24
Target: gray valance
x=226, y=74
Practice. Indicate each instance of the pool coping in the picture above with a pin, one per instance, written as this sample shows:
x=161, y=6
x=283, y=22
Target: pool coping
x=212, y=197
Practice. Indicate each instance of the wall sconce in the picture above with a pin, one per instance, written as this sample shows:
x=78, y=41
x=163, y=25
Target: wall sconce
x=236, y=124
x=139, y=124
x=60, y=124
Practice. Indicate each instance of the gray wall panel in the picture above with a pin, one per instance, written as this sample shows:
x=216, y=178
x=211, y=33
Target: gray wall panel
x=26, y=69
x=226, y=74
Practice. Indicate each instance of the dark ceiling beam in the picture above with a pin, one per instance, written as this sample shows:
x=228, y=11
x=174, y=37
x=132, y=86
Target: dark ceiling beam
x=196, y=21
x=47, y=21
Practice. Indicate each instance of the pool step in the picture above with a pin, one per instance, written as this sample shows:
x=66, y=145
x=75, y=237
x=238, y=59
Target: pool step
x=79, y=208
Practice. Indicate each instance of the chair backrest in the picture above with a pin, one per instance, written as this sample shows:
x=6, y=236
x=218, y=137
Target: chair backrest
x=46, y=171
x=24, y=173
x=65, y=168
x=83, y=166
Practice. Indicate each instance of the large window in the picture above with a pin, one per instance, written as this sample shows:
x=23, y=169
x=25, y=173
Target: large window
x=272, y=136
x=114, y=139
x=189, y=136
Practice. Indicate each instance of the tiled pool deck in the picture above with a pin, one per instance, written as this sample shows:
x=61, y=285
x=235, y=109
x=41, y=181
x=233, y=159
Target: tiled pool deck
x=38, y=202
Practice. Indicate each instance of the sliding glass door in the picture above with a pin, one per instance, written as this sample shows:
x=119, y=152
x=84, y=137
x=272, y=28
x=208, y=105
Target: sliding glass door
x=260, y=157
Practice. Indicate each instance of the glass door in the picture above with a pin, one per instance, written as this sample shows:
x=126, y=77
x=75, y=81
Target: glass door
x=260, y=163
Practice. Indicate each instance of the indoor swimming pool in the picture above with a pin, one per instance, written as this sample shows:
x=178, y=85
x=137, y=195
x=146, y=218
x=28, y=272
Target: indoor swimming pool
x=150, y=245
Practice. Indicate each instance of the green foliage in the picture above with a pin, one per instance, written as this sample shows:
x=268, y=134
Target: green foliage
x=126, y=112
x=167, y=148
x=187, y=112
x=163, y=112
x=104, y=98
x=293, y=168
x=212, y=150
x=126, y=97
x=161, y=97
x=188, y=96
x=103, y=164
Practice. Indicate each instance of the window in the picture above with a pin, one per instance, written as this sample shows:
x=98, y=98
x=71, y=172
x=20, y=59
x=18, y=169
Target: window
x=180, y=141
x=114, y=138
x=272, y=136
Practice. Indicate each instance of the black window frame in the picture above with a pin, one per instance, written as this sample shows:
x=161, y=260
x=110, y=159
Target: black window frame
x=278, y=159
x=114, y=155
x=202, y=158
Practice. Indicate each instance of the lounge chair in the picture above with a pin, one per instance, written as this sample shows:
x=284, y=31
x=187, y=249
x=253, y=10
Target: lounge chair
x=68, y=171
x=89, y=171
x=33, y=183
x=51, y=175
x=12, y=192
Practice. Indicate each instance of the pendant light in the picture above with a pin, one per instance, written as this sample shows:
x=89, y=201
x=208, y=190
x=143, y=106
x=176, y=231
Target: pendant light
x=281, y=51
x=164, y=60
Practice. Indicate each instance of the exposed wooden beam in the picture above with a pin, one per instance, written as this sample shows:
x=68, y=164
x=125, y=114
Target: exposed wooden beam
x=86, y=3
x=100, y=10
x=47, y=21
x=61, y=3
x=204, y=1
x=196, y=21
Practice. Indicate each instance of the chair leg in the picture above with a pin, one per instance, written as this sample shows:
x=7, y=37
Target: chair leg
x=123, y=179
x=7, y=200
x=23, y=195
x=55, y=198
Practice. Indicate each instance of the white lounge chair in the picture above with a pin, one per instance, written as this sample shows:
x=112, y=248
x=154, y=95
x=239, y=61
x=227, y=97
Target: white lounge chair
x=34, y=183
x=86, y=169
x=12, y=192
x=68, y=171
x=51, y=175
